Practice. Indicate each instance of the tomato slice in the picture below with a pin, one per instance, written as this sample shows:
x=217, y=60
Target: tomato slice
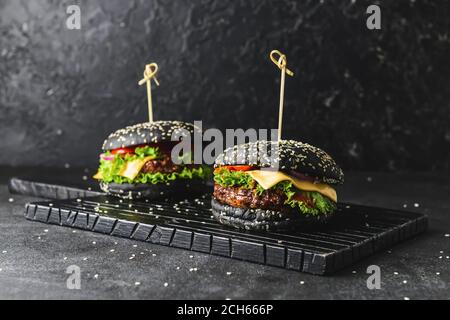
x=164, y=146
x=306, y=200
x=122, y=151
x=239, y=168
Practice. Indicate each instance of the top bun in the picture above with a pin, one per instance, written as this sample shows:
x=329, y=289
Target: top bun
x=288, y=155
x=147, y=132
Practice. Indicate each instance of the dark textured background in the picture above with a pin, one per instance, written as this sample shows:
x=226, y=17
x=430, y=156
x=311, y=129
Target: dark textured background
x=376, y=100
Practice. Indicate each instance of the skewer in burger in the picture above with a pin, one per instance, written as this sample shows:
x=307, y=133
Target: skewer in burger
x=266, y=185
x=136, y=163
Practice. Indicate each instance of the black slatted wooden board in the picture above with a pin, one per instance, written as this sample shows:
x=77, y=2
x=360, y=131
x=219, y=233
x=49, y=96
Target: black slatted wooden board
x=55, y=185
x=355, y=233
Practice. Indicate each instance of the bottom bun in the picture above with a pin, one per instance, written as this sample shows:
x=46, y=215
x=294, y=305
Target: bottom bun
x=174, y=189
x=261, y=219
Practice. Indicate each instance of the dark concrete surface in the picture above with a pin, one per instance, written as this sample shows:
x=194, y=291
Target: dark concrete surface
x=34, y=257
x=374, y=99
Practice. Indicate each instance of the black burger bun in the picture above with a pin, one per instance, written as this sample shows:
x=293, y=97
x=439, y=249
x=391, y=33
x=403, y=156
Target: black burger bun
x=147, y=133
x=288, y=155
x=261, y=219
x=176, y=189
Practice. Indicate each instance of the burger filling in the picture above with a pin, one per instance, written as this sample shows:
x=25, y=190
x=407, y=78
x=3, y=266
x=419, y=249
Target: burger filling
x=244, y=187
x=145, y=165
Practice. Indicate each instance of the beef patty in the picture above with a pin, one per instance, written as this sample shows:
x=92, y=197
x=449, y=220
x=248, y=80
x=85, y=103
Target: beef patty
x=248, y=198
x=163, y=164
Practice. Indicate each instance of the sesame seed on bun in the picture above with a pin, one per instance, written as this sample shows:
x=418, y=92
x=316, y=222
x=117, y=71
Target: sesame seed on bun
x=146, y=133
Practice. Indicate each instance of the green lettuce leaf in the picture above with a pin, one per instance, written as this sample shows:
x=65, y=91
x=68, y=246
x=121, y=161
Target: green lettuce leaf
x=110, y=169
x=201, y=172
x=146, y=151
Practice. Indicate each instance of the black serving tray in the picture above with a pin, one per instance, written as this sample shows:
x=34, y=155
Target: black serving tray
x=55, y=184
x=356, y=232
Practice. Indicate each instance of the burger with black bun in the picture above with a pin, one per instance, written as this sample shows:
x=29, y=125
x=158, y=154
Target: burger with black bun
x=266, y=185
x=136, y=163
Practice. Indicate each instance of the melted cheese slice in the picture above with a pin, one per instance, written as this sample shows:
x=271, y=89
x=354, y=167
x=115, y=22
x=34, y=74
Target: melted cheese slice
x=130, y=170
x=98, y=176
x=267, y=179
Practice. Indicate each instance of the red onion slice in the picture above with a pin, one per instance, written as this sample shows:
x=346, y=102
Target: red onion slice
x=107, y=158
